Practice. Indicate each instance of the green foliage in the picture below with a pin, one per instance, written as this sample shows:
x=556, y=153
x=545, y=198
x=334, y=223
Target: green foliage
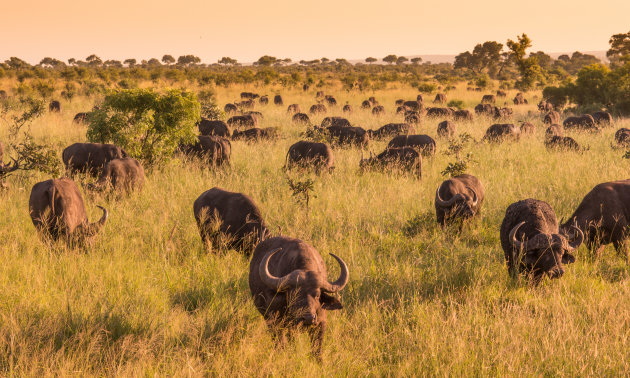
x=390, y=59
x=530, y=70
x=483, y=81
x=427, y=87
x=69, y=91
x=485, y=57
x=266, y=60
x=302, y=191
x=147, y=124
x=456, y=147
x=619, y=48
x=459, y=104
x=209, y=108
x=45, y=88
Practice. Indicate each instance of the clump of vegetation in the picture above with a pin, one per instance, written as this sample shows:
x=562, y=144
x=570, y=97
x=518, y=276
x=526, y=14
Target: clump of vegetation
x=209, y=108
x=317, y=134
x=456, y=147
x=302, y=191
x=147, y=124
x=459, y=104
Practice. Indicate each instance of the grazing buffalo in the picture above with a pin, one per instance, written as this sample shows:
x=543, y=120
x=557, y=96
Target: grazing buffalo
x=335, y=121
x=289, y=284
x=488, y=99
x=344, y=135
x=459, y=197
x=215, y=150
x=551, y=118
x=423, y=143
x=373, y=101
x=320, y=94
x=318, y=108
x=230, y=108
x=54, y=106
x=502, y=113
x=122, y=175
x=294, y=108
x=554, y=130
x=519, y=99
x=57, y=211
x=604, y=217
x=90, y=157
x=622, y=138
x=583, y=122
x=258, y=115
x=533, y=243
x=81, y=117
x=390, y=129
x=419, y=98
x=545, y=106
x=405, y=158
x=263, y=100
x=602, y=118
x=440, y=112
x=218, y=128
x=412, y=118
x=485, y=109
x=502, y=131
x=463, y=115
x=306, y=154
x=446, y=129
x=527, y=128
x=347, y=108
x=230, y=218
x=305, y=87
x=366, y=105
x=399, y=102
x=277, y=100
x=247, y=120
x=562, y=143
x=301, y=118
x=412, y=105
x=330, y=100
x=501, y=93
x=249, y=104
x=5, y=169
x=378, y=110
x=440, y=98
x=256, y=133
x=249, y=95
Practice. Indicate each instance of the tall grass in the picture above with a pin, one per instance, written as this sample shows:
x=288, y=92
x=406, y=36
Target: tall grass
x=147, y=299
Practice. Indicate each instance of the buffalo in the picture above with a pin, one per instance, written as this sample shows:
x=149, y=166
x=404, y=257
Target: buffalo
x=488, y=99
x=501, y=93
x=484, y=109
x=263, y=100
x=57, y=211
x=463, y=115
x=249, y=95
x=256, y=133
x=335, y=121
x=248, y=104
x=502, y=113
x=318, y=108
x=519, y=99
x=412, y=105
x=412, y=117
x=502, y=131
x=277, y=100
x=247, y=120
x=440, y=112
x=604, y=217
x=230, y=108
x=123, y=175
x=423, y=143
x=602, y=118
x=622, y=137
x=562, y=143
x=232, y=218
x=289, y=284
x=527, y=128
x=54, y=106
x=406, y=158
x=307, y=154
x=419, y=98
x=551, y=118
x=330, y=100
x=294, y=108
x=90, y=157
x=399, y=102
x=344, y=135
x=378, y=110
x=301, y=118
x=545, y=106
x=347, y=108
x=81, y=117
x=372, y=101
x=459, y=197
x=440, y=98
x=390, y=129
x=215, y=150
x=366, y=105
x=532, y=241
x=554, y=130
x=583, y=122
x=446, y=129
x=218, y=128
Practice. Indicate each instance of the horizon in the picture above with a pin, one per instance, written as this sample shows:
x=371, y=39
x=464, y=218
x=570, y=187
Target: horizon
x=65, y=29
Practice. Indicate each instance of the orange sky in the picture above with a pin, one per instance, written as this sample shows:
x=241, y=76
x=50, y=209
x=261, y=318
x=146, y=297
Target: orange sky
x=247, y=29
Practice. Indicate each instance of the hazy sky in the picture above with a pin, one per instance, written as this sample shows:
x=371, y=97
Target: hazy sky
x=248, y=29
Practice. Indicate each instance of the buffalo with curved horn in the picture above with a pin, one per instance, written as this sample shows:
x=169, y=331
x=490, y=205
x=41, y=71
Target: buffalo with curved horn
x=460, y=197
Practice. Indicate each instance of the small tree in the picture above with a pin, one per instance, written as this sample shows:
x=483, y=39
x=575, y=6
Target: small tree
x=147, y=124
x=130, y=62
x=266, y=60
x=227, y=61
x=456, y=147
x=168, y=59
x=416, y=60
x=401, y=60
x=390, y=59
x=302, y=191
x=530, y=70
x=188, y=60
x=370, y=60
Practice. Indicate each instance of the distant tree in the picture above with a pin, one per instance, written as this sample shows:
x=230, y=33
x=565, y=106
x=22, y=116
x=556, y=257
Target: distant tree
x=130, y=62
x=530, y=70
x=416, y=60
x=619, y=48
x=153, y=62
x=544, y=60
x=51, y=62
x=324, y=60
x=401, y=60
x=16, y=63
x=113, y=63
x=266, y=60
x=485, y=57
x=94, y=60
x=168, y=59
x=227, y=61
x=370, y=60
x=287, y=60
x=188, y=60
x=390, y=59
x=72, y=61
x=575, y=63
x=342, y=61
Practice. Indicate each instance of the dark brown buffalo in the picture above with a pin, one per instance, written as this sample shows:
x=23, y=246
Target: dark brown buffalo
x=604, y=217
x=81, y=117
x=440, y=98
x=440, y=112
x=249, y=95
x=3, y=94
x=399, y=102
x=230, y=108
x=405, y=158
x=54, y=106
x=378, y=110
x=57, y=211
x=446, y=129
x=527, y=128
x=366, y=105
x=551, y=118
x=412, y=105
x=502, y=131
x=307, y=154
x=318, y=108
x=248, y=104
x=345, y=135
x=90, y=157
x=335, y=121
x=213, y=149
x=230, y=219
x=545, y=106
x=258, y=115
x=501, y=93
x=622, y=137
x=330, y=100
x=488, y=99
x=305, y=87
x=390, y=129
x=502, y=113
x=247, y=120
x=277, y=99
x=554, y=130
x=5, y=169
x=423, y=143
x=263, y=100
x=459, y=197
x=301, y=118
x=412, y=117
x=602, y=118
x=122, y=175
x=218, y=128
x=320, y=94
x=402, y=110
x=484, y=109
x=533, y=243
x=373, y=101
x=583, y=122
x=562, y=143
x=294, y=108
x=289, y=284
x=420, y=98
x=519, y=99
x=347, y=108
x=256, y=133
x=463, y=115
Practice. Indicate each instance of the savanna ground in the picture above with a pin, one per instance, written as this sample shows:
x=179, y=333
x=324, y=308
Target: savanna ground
x=148, y=299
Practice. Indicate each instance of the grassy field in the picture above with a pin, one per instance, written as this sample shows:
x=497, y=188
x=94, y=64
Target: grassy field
x=147, y=299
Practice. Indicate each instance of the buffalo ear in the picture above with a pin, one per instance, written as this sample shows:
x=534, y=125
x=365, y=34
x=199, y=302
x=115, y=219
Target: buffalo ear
x=329, y=302
x=568, y=258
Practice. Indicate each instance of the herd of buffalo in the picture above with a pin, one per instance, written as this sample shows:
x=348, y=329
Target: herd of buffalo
x=288, y=278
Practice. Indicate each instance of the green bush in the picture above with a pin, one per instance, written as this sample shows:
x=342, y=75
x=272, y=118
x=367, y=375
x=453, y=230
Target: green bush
x=147, y=124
